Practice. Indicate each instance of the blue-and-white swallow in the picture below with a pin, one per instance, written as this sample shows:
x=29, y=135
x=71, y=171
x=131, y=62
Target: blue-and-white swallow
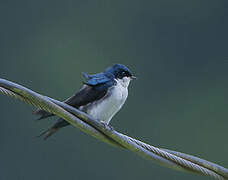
x=101, y=96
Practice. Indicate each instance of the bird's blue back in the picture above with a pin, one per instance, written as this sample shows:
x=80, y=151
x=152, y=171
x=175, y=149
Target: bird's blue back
x=99, y=80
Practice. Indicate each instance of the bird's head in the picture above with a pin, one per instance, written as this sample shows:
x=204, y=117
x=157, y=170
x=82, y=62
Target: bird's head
x=121, y=73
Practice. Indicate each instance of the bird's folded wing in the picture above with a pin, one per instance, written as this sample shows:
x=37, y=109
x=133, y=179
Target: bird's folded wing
x=98, y=79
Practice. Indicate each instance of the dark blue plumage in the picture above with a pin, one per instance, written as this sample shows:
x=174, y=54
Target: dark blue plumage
x=119, y=71
x=98, y=79
x=107, y=77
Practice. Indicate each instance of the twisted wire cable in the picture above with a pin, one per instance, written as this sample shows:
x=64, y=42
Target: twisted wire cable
x=172, y=159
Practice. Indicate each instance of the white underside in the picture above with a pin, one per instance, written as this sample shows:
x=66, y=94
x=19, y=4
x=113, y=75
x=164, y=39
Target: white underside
x=105, y=108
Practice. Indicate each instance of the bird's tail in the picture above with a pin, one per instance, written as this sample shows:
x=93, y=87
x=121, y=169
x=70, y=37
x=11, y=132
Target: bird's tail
x=48, y=133
x=58, y=125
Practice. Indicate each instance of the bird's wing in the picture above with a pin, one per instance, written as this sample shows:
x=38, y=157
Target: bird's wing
x=84, y=96
x=95, y=88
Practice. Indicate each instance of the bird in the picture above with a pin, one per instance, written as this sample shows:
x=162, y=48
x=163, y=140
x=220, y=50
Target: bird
x=101, y=96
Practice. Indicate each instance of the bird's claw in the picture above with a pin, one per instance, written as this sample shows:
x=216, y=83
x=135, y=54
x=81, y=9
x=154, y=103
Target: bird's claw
x=107, y=126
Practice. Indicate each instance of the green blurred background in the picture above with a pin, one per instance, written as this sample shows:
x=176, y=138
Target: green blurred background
x=178, y=51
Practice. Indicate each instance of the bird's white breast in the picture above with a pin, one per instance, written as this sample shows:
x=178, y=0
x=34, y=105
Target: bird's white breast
x=105, y=108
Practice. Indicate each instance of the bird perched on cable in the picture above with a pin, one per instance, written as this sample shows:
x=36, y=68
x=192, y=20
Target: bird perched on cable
x=101, y=96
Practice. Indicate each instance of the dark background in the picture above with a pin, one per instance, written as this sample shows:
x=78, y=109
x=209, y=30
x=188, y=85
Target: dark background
x=178, y=51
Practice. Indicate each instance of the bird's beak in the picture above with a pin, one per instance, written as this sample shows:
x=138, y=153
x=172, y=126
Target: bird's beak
x=133, y=77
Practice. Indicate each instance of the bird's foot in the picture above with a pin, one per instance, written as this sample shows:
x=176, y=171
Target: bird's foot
x=107, y=126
